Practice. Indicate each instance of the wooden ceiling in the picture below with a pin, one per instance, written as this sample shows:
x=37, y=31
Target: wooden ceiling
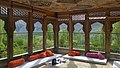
x=70, y=5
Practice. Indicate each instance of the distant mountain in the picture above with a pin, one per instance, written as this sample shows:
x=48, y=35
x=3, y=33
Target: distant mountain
x=38, y=27
x=78, y=27
x=96, y=27
x=21, y=27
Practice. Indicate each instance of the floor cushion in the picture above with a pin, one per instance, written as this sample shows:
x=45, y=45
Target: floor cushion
x=43, y=55
x=92, y=55
x=73, y=53
x=49, y=53
x=100, y=56
x=36, y=63
x=86, y=59
x=15, y=63
x=34, y=57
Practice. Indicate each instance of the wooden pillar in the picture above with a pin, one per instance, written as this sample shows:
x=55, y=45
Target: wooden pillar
x=9, y=27
x=56, y=29
x=30, y=33
x=44, y=28
x=108, y=30
x=70, y=33
x=87, y=29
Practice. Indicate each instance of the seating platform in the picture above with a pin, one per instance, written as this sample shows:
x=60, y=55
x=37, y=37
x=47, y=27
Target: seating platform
x=38, y=62
x=86, y=59
x=116, y=64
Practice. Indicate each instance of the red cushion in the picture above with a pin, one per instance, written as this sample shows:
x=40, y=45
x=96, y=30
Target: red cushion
x=73, y=53
x=15, y=63
x=77, y=53
x=49, y=53
x=100, y=56
x=34, y=57
x=92, y=55
x=42, y=54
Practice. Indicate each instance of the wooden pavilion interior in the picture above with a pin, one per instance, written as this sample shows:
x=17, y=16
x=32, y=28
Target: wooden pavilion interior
x=85, y=13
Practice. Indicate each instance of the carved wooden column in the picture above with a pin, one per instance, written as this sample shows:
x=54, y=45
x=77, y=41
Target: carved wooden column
x=56, y=29
x=44, y=28
x=30, y=29
x=9, y=27
x=70, y=28
x=87, y=29
x=108, y=30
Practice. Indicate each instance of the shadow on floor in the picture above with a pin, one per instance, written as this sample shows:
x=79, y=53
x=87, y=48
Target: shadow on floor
x=93, y=65
x=71, y=64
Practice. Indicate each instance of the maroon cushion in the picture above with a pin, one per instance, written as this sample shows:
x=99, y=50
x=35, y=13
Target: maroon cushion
x=100, y=56
x=92, y=55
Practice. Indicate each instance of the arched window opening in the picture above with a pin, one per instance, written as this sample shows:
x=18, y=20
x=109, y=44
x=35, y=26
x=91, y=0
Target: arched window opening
x=3, y=40
x=78, y=37
x=115, y=39
x=37, y=36
x=63, y=36
x=97, y=37
x=50, y=36
x=20, y=38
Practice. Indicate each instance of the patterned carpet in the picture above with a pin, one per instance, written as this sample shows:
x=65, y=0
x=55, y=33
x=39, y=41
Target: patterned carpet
x=78, y=64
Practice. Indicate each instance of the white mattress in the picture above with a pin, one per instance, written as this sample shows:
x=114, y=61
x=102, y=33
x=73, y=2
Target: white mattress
x=38, y=61
x=87, y=59
x=116, y=64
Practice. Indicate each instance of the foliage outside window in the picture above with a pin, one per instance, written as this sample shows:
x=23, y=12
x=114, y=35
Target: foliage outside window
x=20, y=38
x=115, y=38
x=78, y=37
x=3, y=40
x=37, y=36
x=97, y=37
x=50, y=36
x=63, y=36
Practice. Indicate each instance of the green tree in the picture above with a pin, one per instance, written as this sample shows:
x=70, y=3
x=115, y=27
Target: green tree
x=50, y=36
x=63, y=38
x=115, y=38
x=3, y=40
x=97, y=39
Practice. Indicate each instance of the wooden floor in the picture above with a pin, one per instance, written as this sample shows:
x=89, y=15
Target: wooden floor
x=79, y=64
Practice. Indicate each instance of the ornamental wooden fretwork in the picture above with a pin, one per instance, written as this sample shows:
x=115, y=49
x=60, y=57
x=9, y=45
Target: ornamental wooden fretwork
x=78, y=17
x=97, y=14
x=21, y=13
x=115, y=13
x=3, y=11
x=38, y=15
x=63, y=19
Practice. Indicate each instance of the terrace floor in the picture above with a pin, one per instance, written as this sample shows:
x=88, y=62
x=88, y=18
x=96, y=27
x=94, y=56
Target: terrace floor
x=79, y=64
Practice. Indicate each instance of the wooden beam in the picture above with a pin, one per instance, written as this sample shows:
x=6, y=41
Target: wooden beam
x=5, y=4
x=16, y=5
x=29, y=8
